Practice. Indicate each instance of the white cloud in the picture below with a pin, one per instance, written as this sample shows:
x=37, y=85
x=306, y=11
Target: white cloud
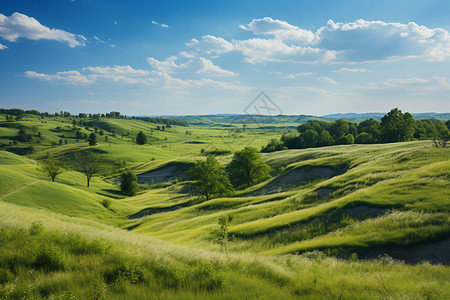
x=117, y=70
x=377, y=40
x=21, y=26
x=359, y=41
x=3, y=47
x=211, y=44
x=351, y=70
x=69, y=77
x=410, y=84
x=292, y=76
x=128, y=75
x=98, y=39
x=327, y=80
x=271, y=50
x=280, y=30
x=160, y=24
x=198, y=65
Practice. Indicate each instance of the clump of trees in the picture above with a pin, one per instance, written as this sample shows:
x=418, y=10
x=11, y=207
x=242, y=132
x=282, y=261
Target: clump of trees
x=129, y=184
x=395, y=126
x=210, y=179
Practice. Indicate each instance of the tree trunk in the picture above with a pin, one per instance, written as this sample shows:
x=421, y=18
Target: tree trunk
x=88, y=179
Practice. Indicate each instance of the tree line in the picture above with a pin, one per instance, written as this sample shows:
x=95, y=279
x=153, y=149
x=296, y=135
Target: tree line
x=395, y=126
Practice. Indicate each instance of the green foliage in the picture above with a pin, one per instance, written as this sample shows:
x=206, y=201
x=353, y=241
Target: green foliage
x=209, y=178
x=89, y=164
x=50, y=167
x=141, y=138
x=221, y=234
x=397, y=127
x=247, y=168
x=92, y=139
x=36, y=228
x=129, y=184
x=441, y=136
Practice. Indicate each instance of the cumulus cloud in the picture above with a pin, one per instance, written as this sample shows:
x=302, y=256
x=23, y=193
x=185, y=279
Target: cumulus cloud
x=69, y=77
x=327, y=80
x=128, y=75
x=270, y=50
x=280, y=30
x=21, y=26
x=359, y=41
x=160, y=24
x=198, y=65
x=117, y=70
x=211, y=44
x=377, y=40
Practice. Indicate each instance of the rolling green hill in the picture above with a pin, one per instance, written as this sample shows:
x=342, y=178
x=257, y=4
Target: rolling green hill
x=376, y=217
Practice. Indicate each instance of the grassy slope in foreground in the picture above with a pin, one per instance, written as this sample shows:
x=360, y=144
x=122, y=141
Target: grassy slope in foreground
x=90, y=260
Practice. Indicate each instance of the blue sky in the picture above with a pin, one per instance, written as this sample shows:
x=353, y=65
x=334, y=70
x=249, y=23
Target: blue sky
x=202, y=57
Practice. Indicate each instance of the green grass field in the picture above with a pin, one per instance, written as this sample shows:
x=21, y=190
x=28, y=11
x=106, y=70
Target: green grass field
x=339, y=222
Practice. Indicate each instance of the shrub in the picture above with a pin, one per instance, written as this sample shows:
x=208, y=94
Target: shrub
x=36, y=228
x=129, y=185
x=106, y=203
x=124, y=271
x=48, y=259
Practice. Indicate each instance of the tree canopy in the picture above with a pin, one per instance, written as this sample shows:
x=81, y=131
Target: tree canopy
x=141, y=138
x=247, y=168
x=129, y=184
x=209, y=178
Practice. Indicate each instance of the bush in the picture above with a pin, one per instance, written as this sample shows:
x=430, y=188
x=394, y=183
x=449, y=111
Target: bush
x=36, y=228
x=106, y=203
x=129, y=185
x=48, y=259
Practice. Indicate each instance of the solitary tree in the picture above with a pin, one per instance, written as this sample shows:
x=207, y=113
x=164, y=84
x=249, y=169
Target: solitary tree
x=141, y=138
x=247, y=168
x=92, y=139
x=50, y=167
x=88, y=164
x=222, y=235
x=209, y=178
x=129, y=183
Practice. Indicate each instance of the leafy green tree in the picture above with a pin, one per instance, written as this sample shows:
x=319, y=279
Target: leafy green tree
x=346, y=140
x=310, y=138
x=141, y=138
x=88, y=164
x=325, y=139
x=441, y=135
x=92, y=139
x=273, y=145
x=247, y=168
x=129, y=184
x=339, y=128
x=397, y=127
x=364, y=138
x=222, y=234
x=209, y=178
x=51, y=167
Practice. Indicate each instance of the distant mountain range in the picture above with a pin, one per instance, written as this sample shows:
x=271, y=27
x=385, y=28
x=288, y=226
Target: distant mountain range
x=297, y=119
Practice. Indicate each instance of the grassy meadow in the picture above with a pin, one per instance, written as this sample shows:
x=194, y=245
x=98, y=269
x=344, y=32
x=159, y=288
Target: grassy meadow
x=338, y=222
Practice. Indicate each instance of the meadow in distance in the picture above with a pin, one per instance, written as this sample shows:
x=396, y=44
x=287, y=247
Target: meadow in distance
x=105, y=206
